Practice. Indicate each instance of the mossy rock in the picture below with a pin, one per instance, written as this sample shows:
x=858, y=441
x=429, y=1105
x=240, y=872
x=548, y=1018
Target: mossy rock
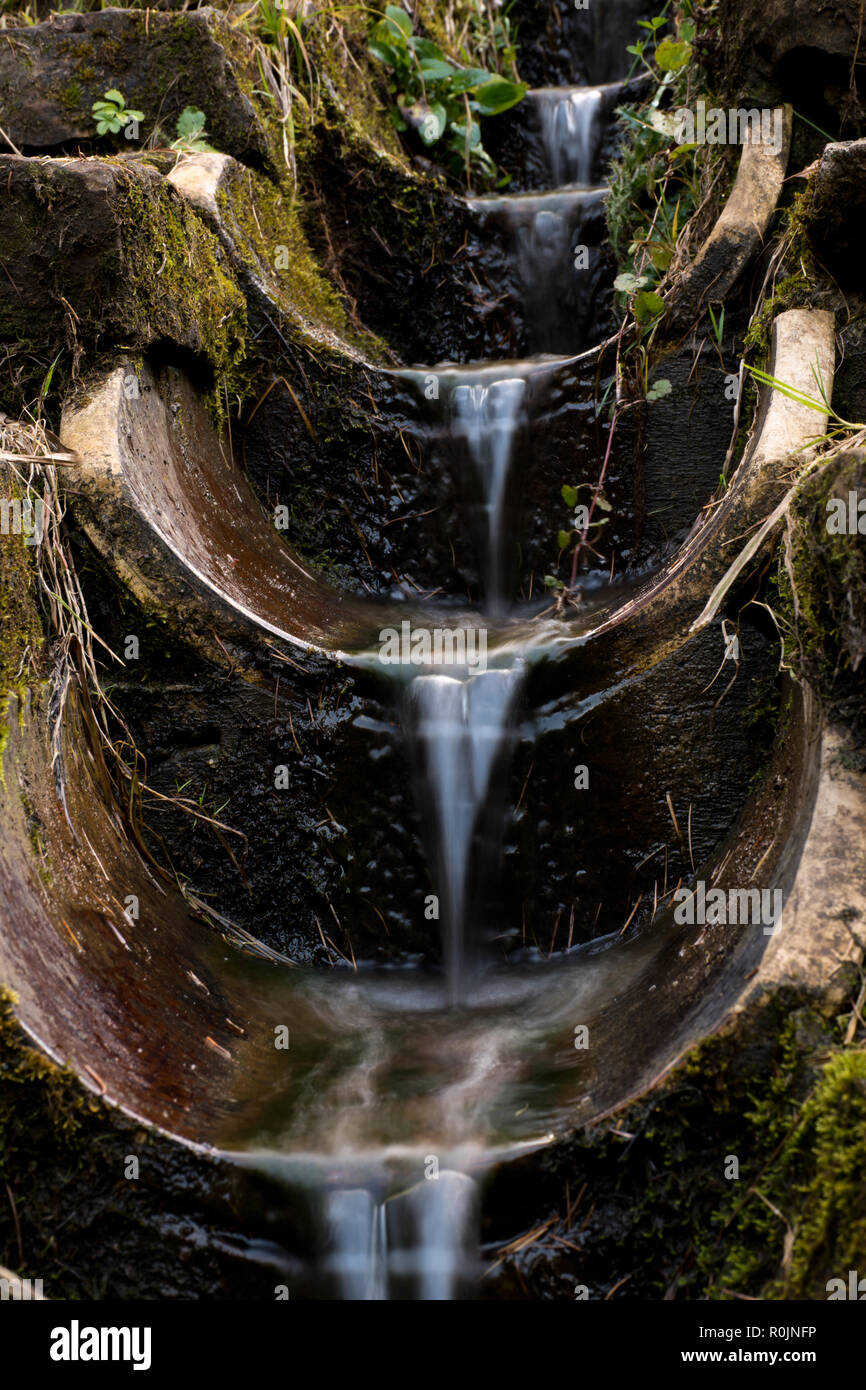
x=51, y=74
x=102, y=253
x=822, y=580
x=739, y=1176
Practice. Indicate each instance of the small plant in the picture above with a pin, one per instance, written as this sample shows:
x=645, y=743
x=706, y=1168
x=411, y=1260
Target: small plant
x=576, y=539
x=838, y=427
x=112, y=114
x=191, y=131
x=439, y=100
x=670, y=54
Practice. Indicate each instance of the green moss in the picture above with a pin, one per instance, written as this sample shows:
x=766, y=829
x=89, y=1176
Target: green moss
x=802, y=1220
x=37, y=1098
x=178, y=285
x=266, y=226
x=21, y=635
x=791, y=292
x=822, y=585
x=72, y=97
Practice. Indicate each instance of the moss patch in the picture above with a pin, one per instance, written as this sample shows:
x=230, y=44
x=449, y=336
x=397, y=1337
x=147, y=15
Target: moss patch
x=822, y=588
x=665, y=1213
x=21, y=634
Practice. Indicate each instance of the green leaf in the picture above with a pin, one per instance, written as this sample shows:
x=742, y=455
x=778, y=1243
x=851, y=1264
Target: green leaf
x=468, y=79
x=661, y=257
x=601, y=501
x=190, y=122
x=115, y=96
x=459, y=129
x=647, y=305
x=499, y=95
x=659, y=389
x=551, y=582
x=569, y=495
x=627, y=283
x=425, y=48
x=563, y=538
x=681, y=150
x=133, y=116
x=391, y=34
x=671, y=56
x=427, y=119
x=400, y=18
x=384, y=52
x=436, y=70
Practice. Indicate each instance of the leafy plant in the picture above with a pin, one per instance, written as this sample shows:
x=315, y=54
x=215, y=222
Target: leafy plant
x=111, y=113
x=439, y=100
x=669, y=54
x=576, y=538
x=191, y=131
x=838, y=427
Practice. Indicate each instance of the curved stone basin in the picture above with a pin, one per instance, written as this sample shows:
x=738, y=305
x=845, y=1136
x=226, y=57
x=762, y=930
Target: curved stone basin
x=175, y=1022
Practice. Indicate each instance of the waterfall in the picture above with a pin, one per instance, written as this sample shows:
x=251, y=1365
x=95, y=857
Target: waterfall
x=487, y=417
x=420, y=1244
x=545, y=233
x=570, y=122
x=354, y=1222
x=417, y=1062
x=460, y=729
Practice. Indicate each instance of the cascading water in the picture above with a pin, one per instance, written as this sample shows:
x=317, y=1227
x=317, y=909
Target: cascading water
x=460, y=729
x=487, y=417
x=427, y=1084
x=473, y=423
x=354, y=1223
x=553, y=258
x=420, y=1244
x=570, y=125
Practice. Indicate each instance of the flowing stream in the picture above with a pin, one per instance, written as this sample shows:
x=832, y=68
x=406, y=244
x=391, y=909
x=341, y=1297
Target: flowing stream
x=405, y=1086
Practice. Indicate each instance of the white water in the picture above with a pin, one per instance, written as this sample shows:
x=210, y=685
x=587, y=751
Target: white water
x=570, y=123
x=544, y=232
x=413, y=1070
x=487, y=417
x=420, y=1244
x=460, y=727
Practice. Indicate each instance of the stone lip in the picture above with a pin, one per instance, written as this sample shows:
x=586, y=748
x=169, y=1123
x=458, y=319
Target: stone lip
x=51, y=74
x=738, y=234
x=160, y=498
x=158, y=1015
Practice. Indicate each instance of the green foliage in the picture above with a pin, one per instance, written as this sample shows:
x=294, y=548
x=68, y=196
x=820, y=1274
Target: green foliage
x=439, y=100
x=654, y=185
x=191, y=131
x=583, y=524
x=111, y=113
